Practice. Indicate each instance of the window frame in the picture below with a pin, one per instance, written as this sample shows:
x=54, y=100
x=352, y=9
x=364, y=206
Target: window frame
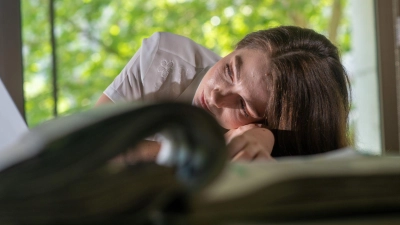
x=386, y=15
x=11, y=67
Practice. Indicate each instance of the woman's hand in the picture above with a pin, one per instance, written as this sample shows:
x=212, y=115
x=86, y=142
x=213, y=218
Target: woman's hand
x=250, y=143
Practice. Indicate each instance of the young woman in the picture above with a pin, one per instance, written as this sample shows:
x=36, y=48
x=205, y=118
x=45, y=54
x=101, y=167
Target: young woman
x=282, y=91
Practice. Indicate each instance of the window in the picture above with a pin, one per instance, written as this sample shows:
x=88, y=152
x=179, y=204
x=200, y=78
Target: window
x=95, y=39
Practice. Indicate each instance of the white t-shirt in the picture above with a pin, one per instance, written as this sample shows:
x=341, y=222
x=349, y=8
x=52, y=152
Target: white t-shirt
x=166, y=67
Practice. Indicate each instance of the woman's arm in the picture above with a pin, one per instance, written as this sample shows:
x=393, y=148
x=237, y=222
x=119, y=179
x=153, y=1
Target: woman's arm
x=145, y=151
x=103, y=100
x=247, y=143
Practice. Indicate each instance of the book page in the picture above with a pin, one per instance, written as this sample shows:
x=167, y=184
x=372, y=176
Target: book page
x=12, y=125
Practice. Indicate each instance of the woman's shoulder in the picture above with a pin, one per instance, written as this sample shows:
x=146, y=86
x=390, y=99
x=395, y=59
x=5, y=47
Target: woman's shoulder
x=181, y=47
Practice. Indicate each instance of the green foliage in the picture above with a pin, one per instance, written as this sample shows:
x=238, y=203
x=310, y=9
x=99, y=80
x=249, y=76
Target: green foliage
x=96, y=38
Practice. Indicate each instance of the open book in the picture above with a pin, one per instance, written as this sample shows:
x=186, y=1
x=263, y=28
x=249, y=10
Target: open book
x=302, y=188
x=67, y=177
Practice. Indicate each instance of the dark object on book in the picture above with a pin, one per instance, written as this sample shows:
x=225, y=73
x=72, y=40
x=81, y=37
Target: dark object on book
x=68, y=178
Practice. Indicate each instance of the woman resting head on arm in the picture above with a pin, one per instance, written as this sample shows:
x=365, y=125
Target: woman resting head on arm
x=282, y=91
x=288, y=79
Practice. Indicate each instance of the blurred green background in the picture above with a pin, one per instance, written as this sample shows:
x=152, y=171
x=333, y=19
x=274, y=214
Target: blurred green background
x=96, y=38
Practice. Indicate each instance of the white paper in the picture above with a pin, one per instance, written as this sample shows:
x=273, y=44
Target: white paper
x=12, y=125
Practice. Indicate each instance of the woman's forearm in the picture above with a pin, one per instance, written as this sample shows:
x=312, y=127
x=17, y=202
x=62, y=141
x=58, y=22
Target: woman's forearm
x=145, y=151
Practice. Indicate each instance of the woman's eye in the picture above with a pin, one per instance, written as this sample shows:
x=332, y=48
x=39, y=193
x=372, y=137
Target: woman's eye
x=228, y=71
x=244, y=109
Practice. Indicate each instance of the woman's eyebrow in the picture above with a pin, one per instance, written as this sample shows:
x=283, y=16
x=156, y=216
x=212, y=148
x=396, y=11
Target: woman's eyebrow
x=238, y=64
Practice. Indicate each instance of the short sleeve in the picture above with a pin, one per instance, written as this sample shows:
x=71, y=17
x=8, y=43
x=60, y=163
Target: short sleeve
x=129, y=85
x=162, y=69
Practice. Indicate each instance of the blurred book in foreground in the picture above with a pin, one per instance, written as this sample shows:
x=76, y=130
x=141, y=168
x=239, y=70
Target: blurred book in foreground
x=67, y=177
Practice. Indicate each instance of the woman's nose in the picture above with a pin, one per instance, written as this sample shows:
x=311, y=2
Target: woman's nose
x=223, y=98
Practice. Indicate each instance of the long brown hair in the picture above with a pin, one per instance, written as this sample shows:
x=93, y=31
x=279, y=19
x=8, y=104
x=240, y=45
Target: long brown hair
x=309, y=92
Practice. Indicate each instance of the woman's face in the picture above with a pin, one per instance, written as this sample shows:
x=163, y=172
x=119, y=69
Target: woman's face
x=234, y=90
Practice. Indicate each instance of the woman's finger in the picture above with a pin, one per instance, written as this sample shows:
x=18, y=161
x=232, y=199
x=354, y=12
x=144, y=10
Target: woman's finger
x=263, y=156
x=242, y=156
x=236, y=145
x=247, y=154
x=255, y=156
x=238, y=131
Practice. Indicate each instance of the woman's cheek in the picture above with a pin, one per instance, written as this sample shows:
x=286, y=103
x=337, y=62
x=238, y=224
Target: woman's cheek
x=228, y=121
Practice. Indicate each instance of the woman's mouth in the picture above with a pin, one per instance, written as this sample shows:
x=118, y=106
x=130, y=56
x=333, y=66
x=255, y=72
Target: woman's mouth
x=203, y=103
